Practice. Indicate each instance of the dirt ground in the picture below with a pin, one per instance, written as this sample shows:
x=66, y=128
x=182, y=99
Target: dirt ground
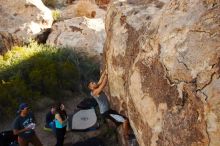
x=106, y=134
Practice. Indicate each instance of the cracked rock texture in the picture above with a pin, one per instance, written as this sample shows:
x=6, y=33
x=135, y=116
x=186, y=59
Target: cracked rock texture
x=163, y=59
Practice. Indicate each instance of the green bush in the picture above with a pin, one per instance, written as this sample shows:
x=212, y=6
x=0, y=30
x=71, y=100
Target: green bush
x=36, y=72
x=30, y=73
x=56, y=15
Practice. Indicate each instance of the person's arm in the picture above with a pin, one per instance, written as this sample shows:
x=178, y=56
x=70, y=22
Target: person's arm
x=126, y=128
x=57, y=116
x=16, y=128
x=33, y=117
x=16, y=131
x=104, y=73
x=101, y=86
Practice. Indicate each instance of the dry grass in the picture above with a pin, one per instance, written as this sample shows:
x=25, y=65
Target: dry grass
x=86, y=8
x=102, y=2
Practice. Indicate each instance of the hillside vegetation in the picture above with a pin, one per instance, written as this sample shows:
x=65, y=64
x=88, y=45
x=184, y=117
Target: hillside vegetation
x=36, y=72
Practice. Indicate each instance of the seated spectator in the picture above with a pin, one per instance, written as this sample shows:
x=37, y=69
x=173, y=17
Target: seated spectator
x=50, y=116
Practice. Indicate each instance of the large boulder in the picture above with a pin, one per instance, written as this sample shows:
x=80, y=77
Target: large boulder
x=163, y=64
x=24, y=19
x=84, y=35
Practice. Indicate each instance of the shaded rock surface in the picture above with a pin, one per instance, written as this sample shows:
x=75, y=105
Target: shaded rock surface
x=7, y=41
x=163, y=69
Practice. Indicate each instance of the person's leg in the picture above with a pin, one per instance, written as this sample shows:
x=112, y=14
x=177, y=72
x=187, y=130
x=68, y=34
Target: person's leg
x=64, y=130
x=60, y=136
x=53, y=126
x=126, y=127
x=63, y=135
x=22, y=142
x=35, y=141
x=58, y=133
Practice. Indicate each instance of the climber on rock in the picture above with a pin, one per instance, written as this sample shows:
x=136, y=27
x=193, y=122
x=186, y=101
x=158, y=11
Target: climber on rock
x=102, y=100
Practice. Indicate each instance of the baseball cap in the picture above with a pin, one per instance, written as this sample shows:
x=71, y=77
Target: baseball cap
x=23, y=106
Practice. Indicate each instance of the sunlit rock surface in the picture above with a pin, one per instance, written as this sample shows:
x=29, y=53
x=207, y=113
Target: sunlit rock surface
x=82, y=34
x=70, y=10
x=24, y=19
x=163, y=68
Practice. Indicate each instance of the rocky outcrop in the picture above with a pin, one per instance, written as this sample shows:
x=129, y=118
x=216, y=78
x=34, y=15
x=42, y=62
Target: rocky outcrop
x=84, y=35
x=24, y=19
x=31, y=19
x=163, y=66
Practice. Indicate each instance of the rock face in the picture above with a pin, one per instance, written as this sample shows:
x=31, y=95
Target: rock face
x=163, y=68
x=82, y=34
x=7, y=41
x=23, y=19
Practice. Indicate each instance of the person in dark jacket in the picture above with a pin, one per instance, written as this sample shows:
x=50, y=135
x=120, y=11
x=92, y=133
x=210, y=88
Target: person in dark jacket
x=50, y=117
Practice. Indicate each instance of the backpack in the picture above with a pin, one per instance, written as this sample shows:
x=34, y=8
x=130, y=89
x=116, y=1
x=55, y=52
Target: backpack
x=7, y=138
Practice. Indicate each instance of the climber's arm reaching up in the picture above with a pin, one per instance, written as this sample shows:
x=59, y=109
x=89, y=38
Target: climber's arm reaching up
x=100, y=87
x=102, y=77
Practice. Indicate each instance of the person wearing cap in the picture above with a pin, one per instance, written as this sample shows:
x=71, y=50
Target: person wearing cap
x=24, y=125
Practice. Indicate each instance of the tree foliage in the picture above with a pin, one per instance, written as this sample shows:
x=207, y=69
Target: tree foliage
x=30, y=73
